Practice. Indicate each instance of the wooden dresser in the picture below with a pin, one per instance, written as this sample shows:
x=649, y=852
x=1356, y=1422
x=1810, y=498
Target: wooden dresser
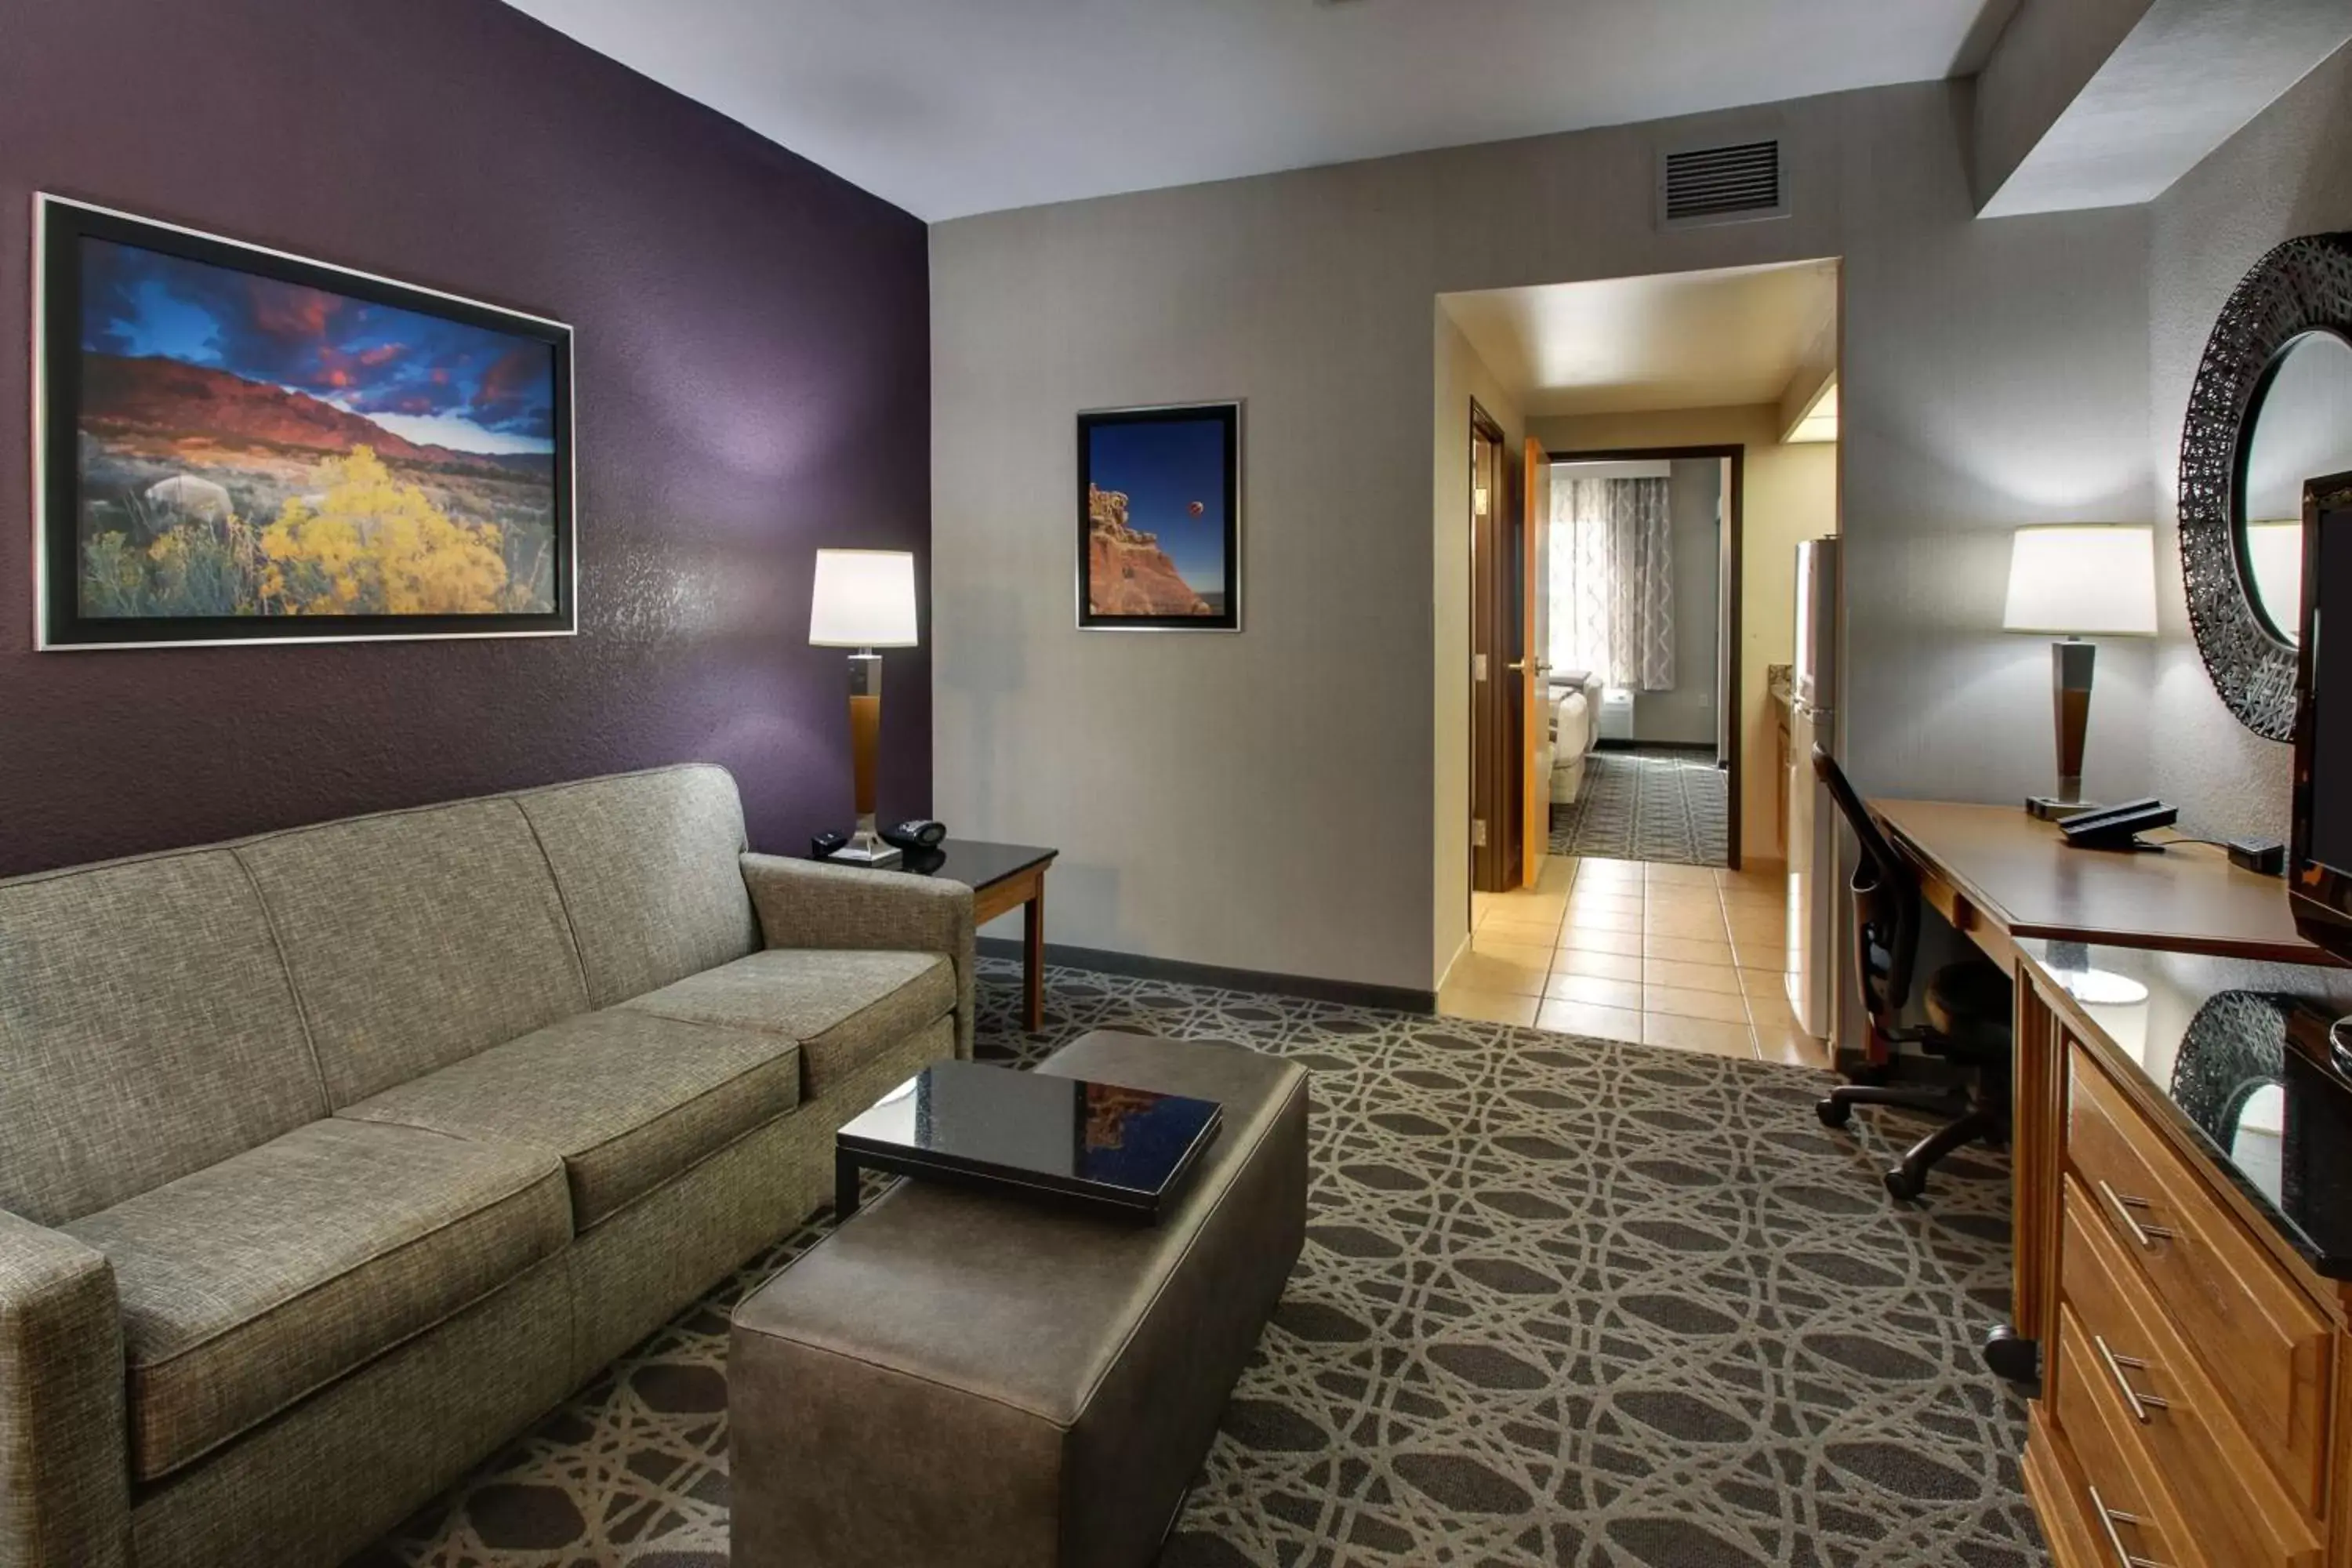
x=2185, y=1227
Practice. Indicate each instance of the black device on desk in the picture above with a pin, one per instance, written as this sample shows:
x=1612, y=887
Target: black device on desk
x=918, y=836
x=916, y=833
x=2118, y=827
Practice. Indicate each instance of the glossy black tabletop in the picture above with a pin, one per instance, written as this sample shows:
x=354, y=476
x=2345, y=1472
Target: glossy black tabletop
x=973, y=862
x=1129, y=1146
x=2241, y=1054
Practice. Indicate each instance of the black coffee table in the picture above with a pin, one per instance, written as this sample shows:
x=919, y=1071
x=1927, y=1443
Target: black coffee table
x=1093, y=1146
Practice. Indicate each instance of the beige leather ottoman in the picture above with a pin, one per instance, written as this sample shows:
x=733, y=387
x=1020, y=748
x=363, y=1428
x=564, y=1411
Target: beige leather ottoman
x=961, y=1378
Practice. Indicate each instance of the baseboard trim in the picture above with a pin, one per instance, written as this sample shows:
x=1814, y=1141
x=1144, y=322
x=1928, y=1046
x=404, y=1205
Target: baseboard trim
x=1706, y=746
x=1136, y=966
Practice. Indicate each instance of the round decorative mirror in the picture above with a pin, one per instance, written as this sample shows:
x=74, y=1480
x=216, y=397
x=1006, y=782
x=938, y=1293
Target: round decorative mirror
x=2272, y=407
x=2299, y=427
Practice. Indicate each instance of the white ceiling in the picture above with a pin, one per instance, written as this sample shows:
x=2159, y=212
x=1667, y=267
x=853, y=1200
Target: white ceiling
x=954, y=107
x=1679, y=340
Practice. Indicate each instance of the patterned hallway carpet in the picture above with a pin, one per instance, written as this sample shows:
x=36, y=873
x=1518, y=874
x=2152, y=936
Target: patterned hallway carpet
x=1563, y=1303
x=1658, y=803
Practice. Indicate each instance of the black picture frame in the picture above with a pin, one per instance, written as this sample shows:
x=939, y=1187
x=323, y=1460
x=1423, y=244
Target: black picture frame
x=62, y=482
x=1151, y=593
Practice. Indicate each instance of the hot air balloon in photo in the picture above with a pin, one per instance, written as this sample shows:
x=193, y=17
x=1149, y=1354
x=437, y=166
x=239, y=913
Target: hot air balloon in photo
x=1160, y=523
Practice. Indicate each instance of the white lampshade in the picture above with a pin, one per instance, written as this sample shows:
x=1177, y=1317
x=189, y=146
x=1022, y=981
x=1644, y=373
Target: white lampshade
x=863, y=598
x=2089, y=580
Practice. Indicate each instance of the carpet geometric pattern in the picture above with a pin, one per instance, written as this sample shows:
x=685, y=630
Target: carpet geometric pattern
x=1660, y=804
x=1563, y=1303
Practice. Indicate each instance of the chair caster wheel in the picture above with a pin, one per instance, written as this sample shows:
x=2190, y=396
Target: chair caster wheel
x=2012, y=1358
x=1903, y=1185
x=1833, y=1112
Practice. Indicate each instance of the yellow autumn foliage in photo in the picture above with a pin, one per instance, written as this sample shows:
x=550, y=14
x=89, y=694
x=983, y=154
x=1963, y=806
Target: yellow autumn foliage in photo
x=368, y=544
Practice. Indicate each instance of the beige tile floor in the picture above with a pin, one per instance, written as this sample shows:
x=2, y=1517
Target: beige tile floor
x=1685, y=957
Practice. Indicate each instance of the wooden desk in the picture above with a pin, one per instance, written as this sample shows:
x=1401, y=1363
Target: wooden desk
x=2125, y=1224
x=1998, y=874
x=2195, y=1269
x=2001, y=877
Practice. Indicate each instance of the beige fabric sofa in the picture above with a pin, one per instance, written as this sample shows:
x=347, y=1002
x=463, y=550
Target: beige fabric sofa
x=330, y=1159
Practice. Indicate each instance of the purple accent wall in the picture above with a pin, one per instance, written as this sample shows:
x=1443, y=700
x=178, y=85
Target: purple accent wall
x=753, y=343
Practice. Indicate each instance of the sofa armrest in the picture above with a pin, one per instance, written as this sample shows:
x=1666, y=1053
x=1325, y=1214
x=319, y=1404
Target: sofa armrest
x=805, y=903
x=64, y=1458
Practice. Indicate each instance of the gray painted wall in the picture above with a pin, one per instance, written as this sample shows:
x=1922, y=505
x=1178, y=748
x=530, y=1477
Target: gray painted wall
x=2288, y=174
x=1686, y=715
x=1270, y=800
x=1462, y=377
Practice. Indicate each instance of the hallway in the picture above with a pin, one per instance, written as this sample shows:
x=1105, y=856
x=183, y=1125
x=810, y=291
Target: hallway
x=1686, y=957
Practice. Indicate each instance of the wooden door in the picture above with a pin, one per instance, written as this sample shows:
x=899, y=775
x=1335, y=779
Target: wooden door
x=1535, y=668
x=1494, y=776
x=1516, y=667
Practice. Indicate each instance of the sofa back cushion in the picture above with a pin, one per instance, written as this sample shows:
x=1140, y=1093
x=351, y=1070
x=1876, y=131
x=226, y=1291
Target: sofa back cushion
x=417, y=938
x=649, y=865
x=147, y=1030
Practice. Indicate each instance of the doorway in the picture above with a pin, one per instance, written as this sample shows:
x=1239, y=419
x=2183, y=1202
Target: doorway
x=1646, y=569
x=1717, y=391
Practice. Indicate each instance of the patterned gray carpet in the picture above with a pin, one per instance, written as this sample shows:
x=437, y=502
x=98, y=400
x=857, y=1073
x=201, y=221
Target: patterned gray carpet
x=1563, y=1303
x=1640, y=803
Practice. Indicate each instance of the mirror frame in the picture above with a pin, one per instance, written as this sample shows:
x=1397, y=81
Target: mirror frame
x=2303, y=285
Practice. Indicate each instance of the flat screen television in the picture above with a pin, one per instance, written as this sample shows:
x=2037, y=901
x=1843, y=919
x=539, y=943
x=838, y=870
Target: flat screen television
x=2319, y=855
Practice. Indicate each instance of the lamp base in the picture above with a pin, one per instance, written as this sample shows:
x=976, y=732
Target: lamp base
x=2050, y=808
x=865, y=848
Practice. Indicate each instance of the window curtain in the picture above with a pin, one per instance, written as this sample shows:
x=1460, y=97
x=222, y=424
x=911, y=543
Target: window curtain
x=1612, y=580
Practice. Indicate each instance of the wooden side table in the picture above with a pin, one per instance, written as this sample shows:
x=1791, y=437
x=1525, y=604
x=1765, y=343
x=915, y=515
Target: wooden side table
x=1002, y=878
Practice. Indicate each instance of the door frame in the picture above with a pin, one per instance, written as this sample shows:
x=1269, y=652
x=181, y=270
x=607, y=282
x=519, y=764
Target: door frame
x=1494, y=789
x=1734, y=602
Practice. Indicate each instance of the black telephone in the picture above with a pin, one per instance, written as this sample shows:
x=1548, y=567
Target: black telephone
x=915, y=833
x=2118, y=827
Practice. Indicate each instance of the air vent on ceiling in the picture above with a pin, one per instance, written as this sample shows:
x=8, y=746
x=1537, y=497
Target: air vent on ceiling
x=1730, y=183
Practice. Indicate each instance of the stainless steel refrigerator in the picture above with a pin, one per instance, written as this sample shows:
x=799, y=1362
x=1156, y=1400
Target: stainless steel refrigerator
x=1814, y=932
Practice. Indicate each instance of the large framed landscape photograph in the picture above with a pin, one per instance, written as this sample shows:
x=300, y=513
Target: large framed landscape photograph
x=235, y=445
x=1160, y=519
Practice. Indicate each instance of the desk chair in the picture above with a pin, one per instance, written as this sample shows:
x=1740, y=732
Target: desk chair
x=1968, y=1006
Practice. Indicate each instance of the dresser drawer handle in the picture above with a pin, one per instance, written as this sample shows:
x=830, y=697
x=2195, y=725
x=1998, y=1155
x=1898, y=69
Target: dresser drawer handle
x=2141, y=1403
x=2148, y=1235
x=2110, y=1517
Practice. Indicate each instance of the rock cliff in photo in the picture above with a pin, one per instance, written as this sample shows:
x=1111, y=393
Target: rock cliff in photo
x=1127, y=572
x=169, y=398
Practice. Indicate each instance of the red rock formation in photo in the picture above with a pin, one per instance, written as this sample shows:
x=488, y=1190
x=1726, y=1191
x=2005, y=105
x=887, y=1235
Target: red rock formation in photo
x=1127, y=572
x=168, y=397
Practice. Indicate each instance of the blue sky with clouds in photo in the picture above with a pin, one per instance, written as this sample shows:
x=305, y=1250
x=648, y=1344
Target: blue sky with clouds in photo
x=424, y=378
x=1165, y=468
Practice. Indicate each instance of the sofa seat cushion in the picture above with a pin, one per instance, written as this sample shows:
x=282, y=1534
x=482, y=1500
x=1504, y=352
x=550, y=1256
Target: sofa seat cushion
x=843, y=1005
x=253, y=1282
x=628, y=1099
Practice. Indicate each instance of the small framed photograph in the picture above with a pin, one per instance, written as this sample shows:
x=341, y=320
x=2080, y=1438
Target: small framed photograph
x=236, y=444
x=1160, y=519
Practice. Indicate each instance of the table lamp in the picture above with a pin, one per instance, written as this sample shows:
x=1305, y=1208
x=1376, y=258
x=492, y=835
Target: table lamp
x=2078, y=581
x=864, y=600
